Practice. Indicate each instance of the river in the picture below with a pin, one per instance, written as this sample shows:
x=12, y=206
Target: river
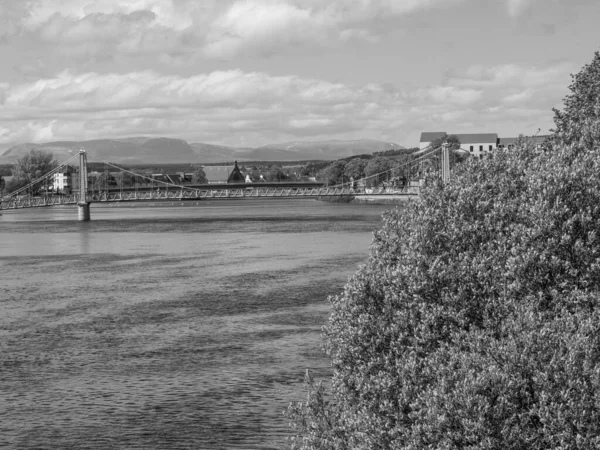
x=168, y=326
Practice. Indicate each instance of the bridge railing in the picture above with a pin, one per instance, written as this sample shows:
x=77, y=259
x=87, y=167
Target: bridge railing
x=198, y=194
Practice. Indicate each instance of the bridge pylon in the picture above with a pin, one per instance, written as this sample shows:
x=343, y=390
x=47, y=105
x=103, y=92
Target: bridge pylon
x=445, y=162
x=82, y=204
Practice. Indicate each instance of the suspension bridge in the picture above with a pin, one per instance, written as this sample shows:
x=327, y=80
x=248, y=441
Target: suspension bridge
x=395, y=181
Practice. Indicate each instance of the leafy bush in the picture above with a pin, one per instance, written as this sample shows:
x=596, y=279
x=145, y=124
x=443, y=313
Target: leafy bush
x=475, y=322
x=579, y=121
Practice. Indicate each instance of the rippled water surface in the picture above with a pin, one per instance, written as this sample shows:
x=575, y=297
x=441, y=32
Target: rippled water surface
x=168, y=325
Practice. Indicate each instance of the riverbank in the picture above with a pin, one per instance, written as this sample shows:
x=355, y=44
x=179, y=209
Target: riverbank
x=390, y=199
x=384, y=200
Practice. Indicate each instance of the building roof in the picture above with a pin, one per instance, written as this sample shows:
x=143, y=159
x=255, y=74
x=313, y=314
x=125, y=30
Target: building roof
x=216, y=174
x=430, y=136
x=478, y=138
x=236, y=176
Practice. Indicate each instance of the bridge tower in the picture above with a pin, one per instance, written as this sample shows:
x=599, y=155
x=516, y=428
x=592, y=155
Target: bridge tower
x=82, y=204
x=445, y=162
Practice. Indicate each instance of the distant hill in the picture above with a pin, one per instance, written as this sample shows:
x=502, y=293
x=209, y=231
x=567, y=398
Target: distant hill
x=293, y=151
x=209, y=153
x=332, y=149
x=143, y=150
x=137, y=150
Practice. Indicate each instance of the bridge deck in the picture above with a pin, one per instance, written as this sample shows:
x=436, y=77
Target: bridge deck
x=198, y=194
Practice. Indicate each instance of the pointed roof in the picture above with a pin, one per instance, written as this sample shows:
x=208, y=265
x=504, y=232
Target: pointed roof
x=217, y=174
x=236, y=175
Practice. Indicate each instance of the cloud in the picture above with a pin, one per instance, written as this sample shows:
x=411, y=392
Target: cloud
x=517, y=7
x=263, y=26
x=90, y=104
x=212, y=28
x=253, y=108
x=84, y=30
x=186, y=30
x=167, y=13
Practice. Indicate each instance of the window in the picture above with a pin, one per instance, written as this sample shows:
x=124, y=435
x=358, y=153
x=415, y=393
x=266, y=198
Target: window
x=490, y=148
x=471, y=149
x=481, y=148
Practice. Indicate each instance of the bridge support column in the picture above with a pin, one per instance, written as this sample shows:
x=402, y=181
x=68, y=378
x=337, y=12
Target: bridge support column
x=83, y=206
x=445, y=162
x=84, y=212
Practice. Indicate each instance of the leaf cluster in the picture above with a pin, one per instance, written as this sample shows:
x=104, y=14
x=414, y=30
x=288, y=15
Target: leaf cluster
x=199, y=175
x=579, y=121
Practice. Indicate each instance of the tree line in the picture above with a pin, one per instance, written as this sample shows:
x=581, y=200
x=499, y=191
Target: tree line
x=389, y=164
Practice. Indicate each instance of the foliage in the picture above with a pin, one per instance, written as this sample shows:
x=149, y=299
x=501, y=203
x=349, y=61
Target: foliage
x=101, y=181
x=475, y=322
x=452, y=139
x=275, y=173
x=333, y=174
x=15, y=184
x=30, y=167
x=311, y=169
x=124, y=179
x=378, y=165
x=355, y=168
x=199, y=176
x=579, y=121
x=2, y=185
x=396, y=152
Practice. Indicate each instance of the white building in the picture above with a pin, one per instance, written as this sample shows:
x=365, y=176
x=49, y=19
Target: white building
x=479, y=144
x=476, y=144
x=62, y=182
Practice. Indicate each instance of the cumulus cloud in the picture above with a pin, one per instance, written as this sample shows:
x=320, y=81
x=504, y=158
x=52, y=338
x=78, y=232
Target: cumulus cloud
x=132, y=103
x=266, y=25
x=216, y=29
x=253, y=108
x=167, y=13
x=212, y=28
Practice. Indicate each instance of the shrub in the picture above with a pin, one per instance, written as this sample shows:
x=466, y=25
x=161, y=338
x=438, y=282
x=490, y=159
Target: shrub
x=475, y=322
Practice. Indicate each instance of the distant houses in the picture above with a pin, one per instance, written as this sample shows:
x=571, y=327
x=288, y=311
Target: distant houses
x=477, y=144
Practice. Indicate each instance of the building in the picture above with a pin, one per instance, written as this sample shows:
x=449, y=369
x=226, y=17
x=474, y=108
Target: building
x=63, y=181
x=477, y=144
x=217, y=174
x=236, y=175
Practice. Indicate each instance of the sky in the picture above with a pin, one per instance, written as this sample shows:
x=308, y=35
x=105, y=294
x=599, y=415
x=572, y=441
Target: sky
x=248, y=73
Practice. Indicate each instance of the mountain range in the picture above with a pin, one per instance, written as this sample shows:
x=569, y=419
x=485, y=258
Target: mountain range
x=144, y=150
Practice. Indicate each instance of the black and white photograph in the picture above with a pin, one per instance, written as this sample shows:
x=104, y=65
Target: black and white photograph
x=300, y=224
